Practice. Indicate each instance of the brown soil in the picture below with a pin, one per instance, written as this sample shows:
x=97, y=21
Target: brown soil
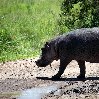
x=21, y=74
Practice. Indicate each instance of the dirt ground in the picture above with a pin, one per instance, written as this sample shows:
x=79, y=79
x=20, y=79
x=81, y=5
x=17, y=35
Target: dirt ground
x=24, y=74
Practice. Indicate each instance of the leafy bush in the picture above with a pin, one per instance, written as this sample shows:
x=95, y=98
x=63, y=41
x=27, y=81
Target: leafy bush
x=79, y=14
x=25, y=25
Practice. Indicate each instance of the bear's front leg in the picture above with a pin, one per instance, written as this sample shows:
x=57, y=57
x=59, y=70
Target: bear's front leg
x=63, y=65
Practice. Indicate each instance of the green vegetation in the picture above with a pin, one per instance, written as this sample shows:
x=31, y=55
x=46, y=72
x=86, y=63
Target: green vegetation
x=79, y=14
x=25, y=25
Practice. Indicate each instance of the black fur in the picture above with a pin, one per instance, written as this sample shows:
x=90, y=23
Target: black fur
x=80, y=45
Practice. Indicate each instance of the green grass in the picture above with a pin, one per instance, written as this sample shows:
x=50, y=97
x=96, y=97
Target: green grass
x=25, y=25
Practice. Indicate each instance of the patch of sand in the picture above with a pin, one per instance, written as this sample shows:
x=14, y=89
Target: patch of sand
x=21, y=74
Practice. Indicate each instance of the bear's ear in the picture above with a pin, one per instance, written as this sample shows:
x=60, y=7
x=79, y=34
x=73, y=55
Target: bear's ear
x=46, y=44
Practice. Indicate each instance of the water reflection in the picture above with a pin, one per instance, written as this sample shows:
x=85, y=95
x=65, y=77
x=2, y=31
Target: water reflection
x=37, y=93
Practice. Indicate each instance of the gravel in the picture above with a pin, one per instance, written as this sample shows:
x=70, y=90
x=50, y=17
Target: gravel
x=19, y=75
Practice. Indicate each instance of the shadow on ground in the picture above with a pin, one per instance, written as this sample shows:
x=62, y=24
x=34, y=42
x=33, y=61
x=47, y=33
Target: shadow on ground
x=68, y=79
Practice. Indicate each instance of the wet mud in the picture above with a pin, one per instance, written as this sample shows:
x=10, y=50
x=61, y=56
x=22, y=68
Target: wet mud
x=22, y=78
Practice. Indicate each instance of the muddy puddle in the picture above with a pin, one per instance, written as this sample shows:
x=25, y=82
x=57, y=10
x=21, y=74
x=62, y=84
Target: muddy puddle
x=33, y=93
x=37, y=93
